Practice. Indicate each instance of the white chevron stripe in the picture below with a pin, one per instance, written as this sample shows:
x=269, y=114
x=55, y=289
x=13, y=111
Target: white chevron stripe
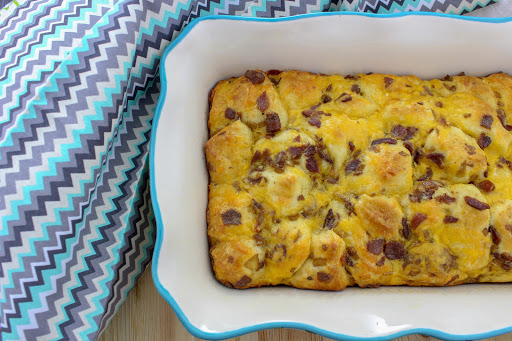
x=49, y=60
x=54, y=287
x=289, y=4
x=172, y=8
x=60, y=316
x=463, y=5
x=107, y=264
x=227, y=5
x=71, y=255
x=29, y=35
x=7, y=11
x=374, y=5
x=34, y=170
x=99, y=222
x=184, y=18
x=111, y=311
x=21, y=88
x=21, y=13
x=33, y=322
x=427, y=4
x=349, y=6
x=333, y=7
x=87, y=112
x=150, y=19
x=80, y=125
x=248, y=10
x=408, y=8
x=57, y=153
x=38, y=221
x=123, y=291
x=38, y=234
x=11, y=199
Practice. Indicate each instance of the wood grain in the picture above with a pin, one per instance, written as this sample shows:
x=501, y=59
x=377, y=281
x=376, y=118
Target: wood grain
x=146, y=316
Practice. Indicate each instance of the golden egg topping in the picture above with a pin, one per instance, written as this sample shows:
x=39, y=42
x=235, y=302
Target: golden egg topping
x=323, y=181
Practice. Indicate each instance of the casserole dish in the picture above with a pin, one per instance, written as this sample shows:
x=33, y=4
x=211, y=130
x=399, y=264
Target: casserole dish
x=216, y=48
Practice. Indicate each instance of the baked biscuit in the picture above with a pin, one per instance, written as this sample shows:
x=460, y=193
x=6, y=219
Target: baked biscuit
x=323, y=181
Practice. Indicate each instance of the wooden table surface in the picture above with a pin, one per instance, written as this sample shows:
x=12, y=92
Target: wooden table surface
x=146, y=316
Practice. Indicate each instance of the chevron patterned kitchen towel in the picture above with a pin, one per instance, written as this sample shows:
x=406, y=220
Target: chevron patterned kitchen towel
x=79, y=83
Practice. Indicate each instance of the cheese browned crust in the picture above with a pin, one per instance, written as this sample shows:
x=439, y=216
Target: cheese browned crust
x=324, y=182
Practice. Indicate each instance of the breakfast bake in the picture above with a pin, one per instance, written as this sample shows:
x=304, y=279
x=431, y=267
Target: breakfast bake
x=323, y=181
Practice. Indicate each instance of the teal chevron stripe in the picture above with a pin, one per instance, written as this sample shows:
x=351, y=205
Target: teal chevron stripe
x=323, y=3
x=115, y=256
x=261, y=8
x=131, y=105
x=76, y=135
x=346, y=8
x=395, y=7
x=9, y=8
x=213, y=6
x=30, y=113
x=465, y=6
x=33, y=13
x=57, y=24
x=113, y=195
x=69, y=242
x=149, y=29
x=150, y=217
x=51, y=87
x=470, y=8
x=148, y=239
x=96, y=300
x=43, y=45
x=181, y=7
x=60, y=260
x=35, y=32
x=143, y=256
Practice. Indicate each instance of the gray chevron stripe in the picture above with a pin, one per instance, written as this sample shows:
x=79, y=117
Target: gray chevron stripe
x=4, y=3
x=110, y=238
x=129, y=274
x=92, y=217
x=90, y=184
x=144, y=236
x=455, y=6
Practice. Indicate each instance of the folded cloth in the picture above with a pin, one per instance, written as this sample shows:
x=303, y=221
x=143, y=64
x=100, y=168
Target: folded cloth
x=499, y=10
x=79, y=84
x=391, y=6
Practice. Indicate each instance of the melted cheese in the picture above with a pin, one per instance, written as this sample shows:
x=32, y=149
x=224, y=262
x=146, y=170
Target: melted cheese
x=322, y=182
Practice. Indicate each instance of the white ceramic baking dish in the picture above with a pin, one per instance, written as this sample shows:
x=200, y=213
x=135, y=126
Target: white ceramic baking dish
x=214, y=48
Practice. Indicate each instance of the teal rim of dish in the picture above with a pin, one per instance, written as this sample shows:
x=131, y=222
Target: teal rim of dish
x=195, y=331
